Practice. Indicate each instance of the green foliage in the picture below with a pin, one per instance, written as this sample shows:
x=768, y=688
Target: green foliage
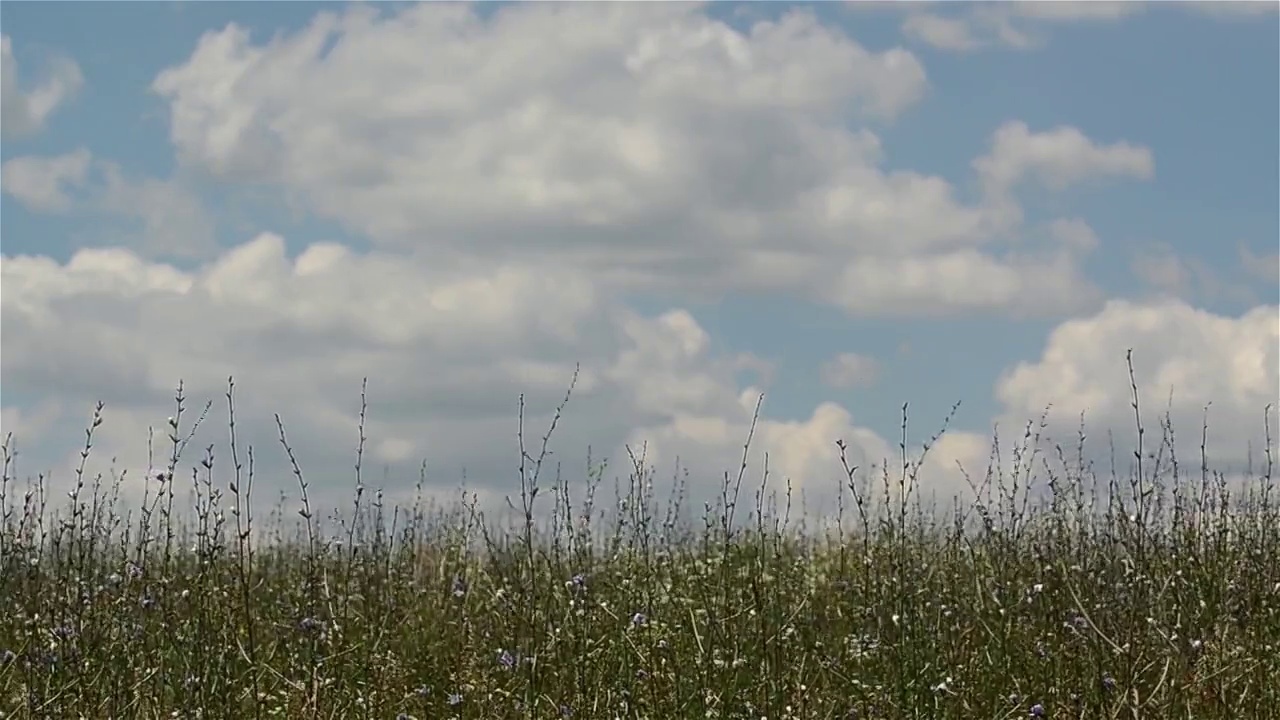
x=1156, y=596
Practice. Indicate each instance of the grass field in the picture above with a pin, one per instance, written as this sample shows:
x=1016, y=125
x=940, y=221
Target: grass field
x=1064, y=592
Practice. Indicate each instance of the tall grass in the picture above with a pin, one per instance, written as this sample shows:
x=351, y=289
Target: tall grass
x=1056, y=591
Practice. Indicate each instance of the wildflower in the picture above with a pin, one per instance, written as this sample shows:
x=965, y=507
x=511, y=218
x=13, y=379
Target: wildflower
x=7, y=656
x=459, y=586
x=1108, y=682
x=455, y=699
x=639, y=620
x=1037, y=710
x=566, y=711
x=310, y=624
x=506, y=660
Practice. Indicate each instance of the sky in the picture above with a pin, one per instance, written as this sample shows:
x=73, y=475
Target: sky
x=845, y=207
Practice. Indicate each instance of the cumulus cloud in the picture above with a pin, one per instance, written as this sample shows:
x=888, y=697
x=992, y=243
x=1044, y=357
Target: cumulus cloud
x=650, y=145
x=173, y=218
x=1056, y=158
x=1069, y=11
x=24, y=113
x=1015, y=25
x=41, y=184
x=1184, y=358
x=1191, y=367
x=175, y=222
x=965, y=281
x=975, y=26
x=1262, y=266
x=447, y=354
x=28, y=422
x=849, y=369
x=1074, y=233
x=1165, y=271
x=517, y=173
x=1233, y=9
x=795, y=460
x=944, y=33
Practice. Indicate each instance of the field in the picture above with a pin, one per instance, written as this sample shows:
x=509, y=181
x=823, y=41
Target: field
x=1065, y=591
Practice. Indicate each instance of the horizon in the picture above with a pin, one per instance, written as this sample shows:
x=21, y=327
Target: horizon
x=845, y=207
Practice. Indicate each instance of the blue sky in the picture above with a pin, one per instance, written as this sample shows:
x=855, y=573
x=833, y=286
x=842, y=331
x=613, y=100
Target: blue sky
x=1178, y=181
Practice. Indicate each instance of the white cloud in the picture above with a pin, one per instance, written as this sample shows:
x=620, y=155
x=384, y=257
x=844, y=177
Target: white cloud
x=973, y=26
x=542, y=163
x=27, y=423
x=1162, y=269
x=1198, y=356
x=1016, y=25
x=1167, y=272
x=446, y=353
x=1233, y=9
x=649, y=145
x=1186, y=361
x=41, y=183
x=175, y=222
x=849, y=369
x=1069, y=11
x=24, y=113
x=967, y=281
x=941, y=32
x=1056, y=158
x=797, y=457
x=956, y=467
x=1263, y=266
x=1074, y=233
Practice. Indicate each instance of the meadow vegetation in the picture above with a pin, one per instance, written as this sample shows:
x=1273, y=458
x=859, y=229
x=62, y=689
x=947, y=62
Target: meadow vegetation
x=1057, y=590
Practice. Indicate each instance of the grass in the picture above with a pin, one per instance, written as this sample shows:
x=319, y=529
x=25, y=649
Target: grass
x=1057, y=591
